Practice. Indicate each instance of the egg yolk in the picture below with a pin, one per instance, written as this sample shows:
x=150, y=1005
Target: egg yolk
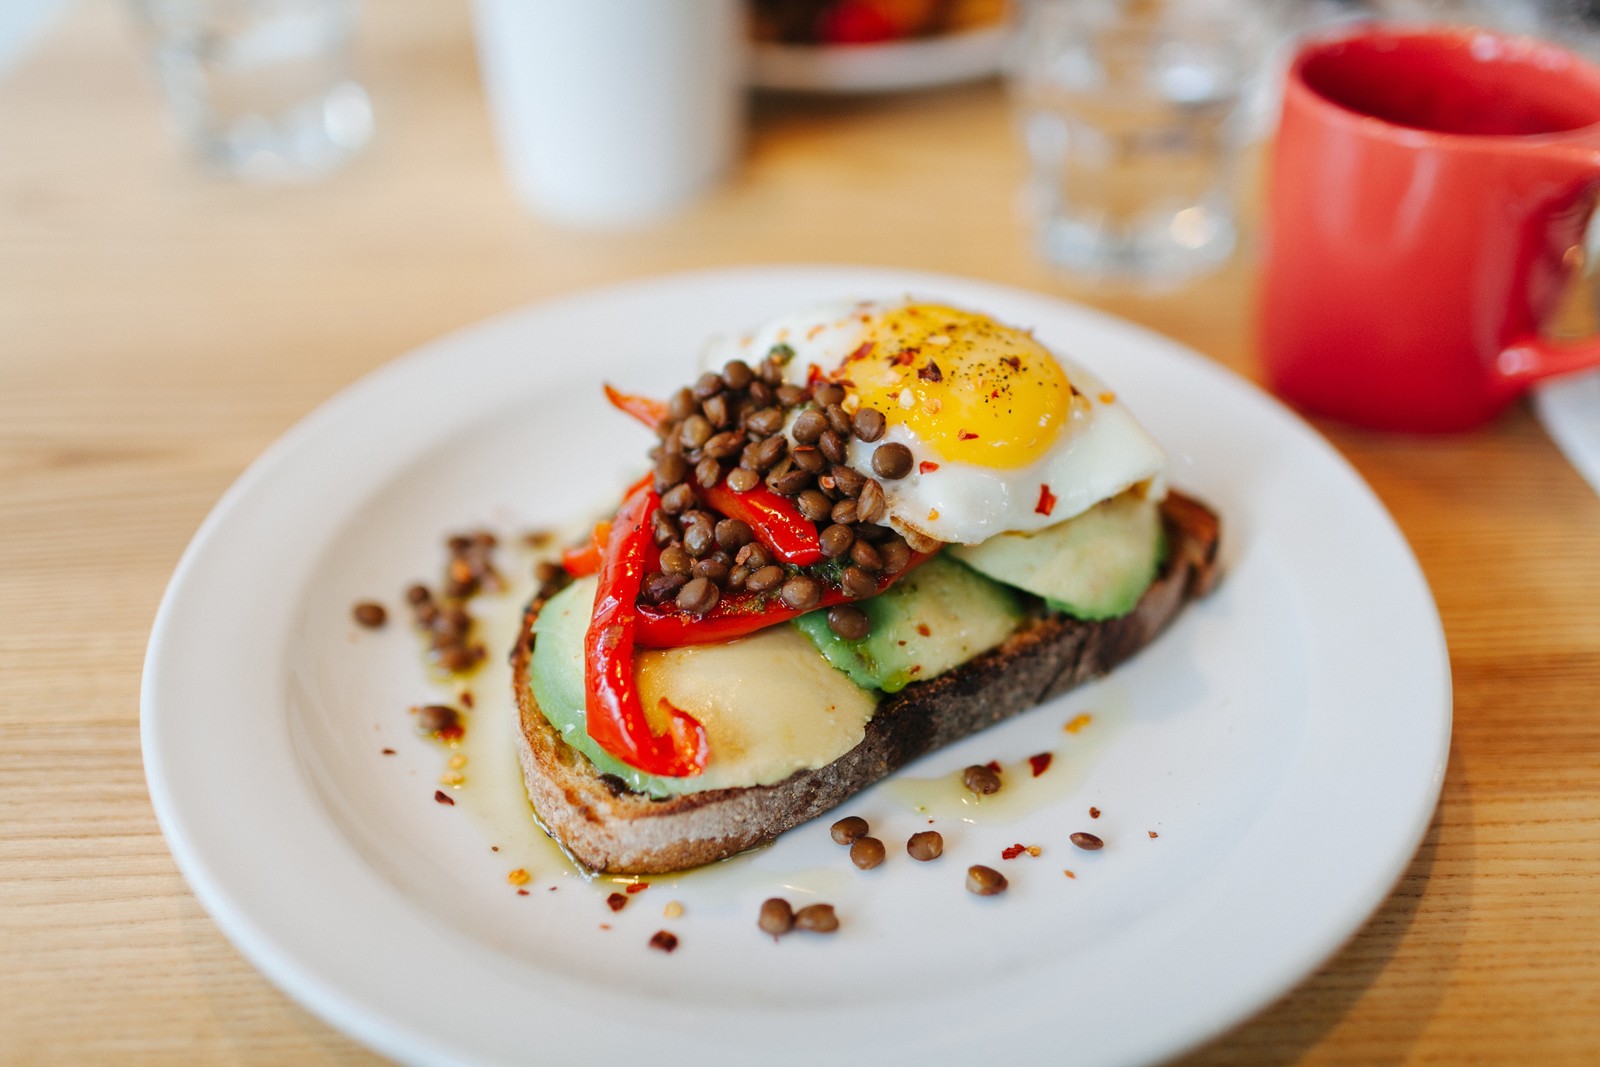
x=974, y=390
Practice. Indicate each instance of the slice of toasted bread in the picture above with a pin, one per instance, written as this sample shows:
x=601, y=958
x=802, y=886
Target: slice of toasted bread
x=615, y=831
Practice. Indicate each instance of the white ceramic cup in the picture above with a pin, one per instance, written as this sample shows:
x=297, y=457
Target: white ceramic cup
x=610, y=112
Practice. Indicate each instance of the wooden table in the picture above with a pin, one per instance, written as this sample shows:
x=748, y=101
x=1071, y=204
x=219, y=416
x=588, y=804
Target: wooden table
x=159, y=328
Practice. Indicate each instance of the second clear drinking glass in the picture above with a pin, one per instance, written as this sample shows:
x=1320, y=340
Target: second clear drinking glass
x=1133, y=113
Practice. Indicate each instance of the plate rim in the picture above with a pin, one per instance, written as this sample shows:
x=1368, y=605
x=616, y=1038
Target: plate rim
x=345, y=1012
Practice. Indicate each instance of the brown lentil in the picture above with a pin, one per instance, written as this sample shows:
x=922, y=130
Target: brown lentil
x=674, y=560
x=790, y=395
x=708, y=385
x=844, y=512
x=716, y=412
x=737, y=374
x=708, y=472
x=818, y=918
x=725, y=445
x=870, y=505
x=892, y=460
x=677, y=500
x=777, y=917
x=985, y=881
x=694, y=431
x=813, y=504
x=808, y=426
x=682, y=405
x=828, y=393
x=764, y=578
x=768, y=452
x=698, y=596
x=857, y=583
x=925, y=846
x=981, y=780
x=836, y=540
x=848, y=829
x=831, y=445
x=713, y=569
x=848, y=621
x=743, y=479
x=809, y=459
x=867, y=424
x=863, y=555
x=896, y=554
x=660, y=588
x=848, y=481
x=699, y=537
x=837, y=419
x=866, y=852
x=792, y=482
x=664, y=940
x=1087, y=842
x=753, y=555
x=734, y=534
x=802, y=593
x=369, y=614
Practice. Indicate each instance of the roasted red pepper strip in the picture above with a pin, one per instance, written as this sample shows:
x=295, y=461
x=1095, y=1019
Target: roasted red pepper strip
x=586, y=558
x=614, y=715
x=734, y=616
x=777, y=523
x=646, y=409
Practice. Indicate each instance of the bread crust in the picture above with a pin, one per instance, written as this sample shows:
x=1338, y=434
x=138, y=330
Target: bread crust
x=612, y=830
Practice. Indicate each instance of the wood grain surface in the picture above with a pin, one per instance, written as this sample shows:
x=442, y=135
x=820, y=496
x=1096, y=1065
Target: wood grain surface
x=159, y=328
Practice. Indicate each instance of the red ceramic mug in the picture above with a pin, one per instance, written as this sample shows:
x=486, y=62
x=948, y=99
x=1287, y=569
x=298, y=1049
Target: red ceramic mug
x=1429, y=193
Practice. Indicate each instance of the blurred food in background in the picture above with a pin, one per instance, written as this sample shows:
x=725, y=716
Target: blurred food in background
x=856, y=22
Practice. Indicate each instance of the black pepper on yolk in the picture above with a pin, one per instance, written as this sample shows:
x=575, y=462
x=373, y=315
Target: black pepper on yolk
x=975, y=391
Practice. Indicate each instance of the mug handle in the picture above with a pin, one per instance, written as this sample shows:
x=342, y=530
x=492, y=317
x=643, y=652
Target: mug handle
x=1537, y=358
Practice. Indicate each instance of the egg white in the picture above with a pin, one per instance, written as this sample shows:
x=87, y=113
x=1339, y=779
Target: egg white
x=1101, y=451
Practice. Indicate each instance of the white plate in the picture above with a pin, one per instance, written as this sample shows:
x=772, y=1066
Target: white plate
x=874, y=68
x=1286, y=740
x=1570, y=410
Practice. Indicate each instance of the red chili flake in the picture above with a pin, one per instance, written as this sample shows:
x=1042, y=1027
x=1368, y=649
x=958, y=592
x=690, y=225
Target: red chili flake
x=1094, y=813
x=524, y=892
x=1069, y=874
x=664, y=940
x=616, y=902
x=1011, y=852
x=993, y=765
x=905, y=357
x=1047, y=501
x=444, y=798
x=605, y=926
x=1011, y=361
x=863, y=350
x=388, y=752
x=1153, y=834
x=451, y=733
x=637, y=887
x=1040, y=763
x=916, y=668
x=466, y=698
x=922, y=628
x=966, y=435
x=930, y=372
x=927, y=466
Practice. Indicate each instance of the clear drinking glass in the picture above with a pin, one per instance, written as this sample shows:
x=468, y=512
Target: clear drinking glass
x=263, y=89
x=1133, y=114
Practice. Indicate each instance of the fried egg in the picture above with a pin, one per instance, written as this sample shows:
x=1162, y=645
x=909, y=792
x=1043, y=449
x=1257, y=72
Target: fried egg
x=1005, y=436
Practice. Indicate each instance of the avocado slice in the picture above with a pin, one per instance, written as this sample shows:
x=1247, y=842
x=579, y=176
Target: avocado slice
x=770, y=704
x=935, y=618
x=1095, y=565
